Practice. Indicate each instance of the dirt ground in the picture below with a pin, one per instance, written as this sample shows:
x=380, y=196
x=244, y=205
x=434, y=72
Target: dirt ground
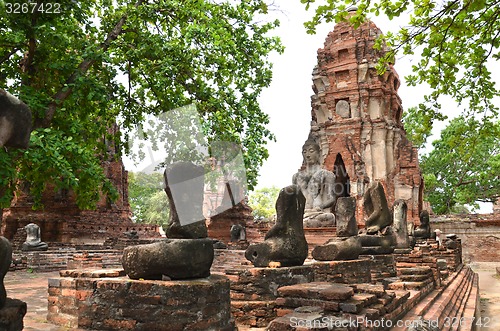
x=489, y=291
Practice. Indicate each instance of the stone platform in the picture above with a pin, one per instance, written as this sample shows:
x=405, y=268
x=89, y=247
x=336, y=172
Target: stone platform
x=254, y=290
x=108, y=300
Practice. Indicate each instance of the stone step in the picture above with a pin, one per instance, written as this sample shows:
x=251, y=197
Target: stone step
x=366, y=298
x=377, y=289
x=353, y=305
x=470, y=308
x=459, y=311
x=444, y=305
x=396, y=308
x=310, y=319
x=415, y=271
x=400, y=298
x=318, y=290
x=428, y=301
x=296, y=302
x=380, y=308
x=415, y=278
x=371, y=314
x=454, y=311
x=415, y=285
x=387, y=298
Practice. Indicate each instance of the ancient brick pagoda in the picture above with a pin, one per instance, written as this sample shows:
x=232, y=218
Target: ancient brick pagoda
x=356, y=119
x=62, y=221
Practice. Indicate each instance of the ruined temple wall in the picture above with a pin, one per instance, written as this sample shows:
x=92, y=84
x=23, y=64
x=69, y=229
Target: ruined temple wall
x=356, y=115
x=62, y=221
x=479, y=233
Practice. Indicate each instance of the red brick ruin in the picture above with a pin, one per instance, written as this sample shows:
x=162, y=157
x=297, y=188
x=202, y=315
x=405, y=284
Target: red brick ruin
x=356, y=118
x=62, y=221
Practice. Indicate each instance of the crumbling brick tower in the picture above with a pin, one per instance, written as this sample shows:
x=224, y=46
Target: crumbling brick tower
x=356, y=118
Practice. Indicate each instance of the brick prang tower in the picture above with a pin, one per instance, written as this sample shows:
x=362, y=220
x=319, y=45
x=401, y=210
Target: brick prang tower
x=356, y=119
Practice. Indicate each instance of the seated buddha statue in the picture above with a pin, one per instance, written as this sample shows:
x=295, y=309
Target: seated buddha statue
x=317, y=185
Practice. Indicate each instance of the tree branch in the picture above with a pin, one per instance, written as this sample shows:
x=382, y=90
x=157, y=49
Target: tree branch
x=66, y=90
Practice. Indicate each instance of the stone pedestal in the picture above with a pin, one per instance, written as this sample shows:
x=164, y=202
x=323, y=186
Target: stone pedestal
x=104, y=300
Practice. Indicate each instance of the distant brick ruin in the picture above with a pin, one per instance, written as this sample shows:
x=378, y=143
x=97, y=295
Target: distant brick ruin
x=356, y=119
x=62, y=221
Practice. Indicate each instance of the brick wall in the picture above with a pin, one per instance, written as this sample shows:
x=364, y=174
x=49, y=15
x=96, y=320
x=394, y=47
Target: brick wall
x=109, y=301
x=479, y=234
x=254, y=290
x=60, y=260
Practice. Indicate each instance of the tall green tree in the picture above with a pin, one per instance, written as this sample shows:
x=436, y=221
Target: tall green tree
x=94, y=63
x=263, y=202
x=464, y=166
x=147, y=198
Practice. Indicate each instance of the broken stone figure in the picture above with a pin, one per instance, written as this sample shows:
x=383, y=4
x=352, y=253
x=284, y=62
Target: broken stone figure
x=423, y=231
x=15, y=121
x=378, y=236
x=33, y=239
x=5, y=260
x=184, y=185
x=318, y=187
x=411, y=234
x=169, y=259
x=376, y=208
x=450, y=241
x=400, y=224
x=237, y=232
x=191, y=253
x=284, y=244
x=15, y=129
x=346, y=246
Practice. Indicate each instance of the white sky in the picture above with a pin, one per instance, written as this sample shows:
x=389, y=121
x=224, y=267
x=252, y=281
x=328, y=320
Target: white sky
x=288, y=98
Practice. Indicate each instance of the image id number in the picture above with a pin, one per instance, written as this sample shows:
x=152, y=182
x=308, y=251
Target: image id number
x=462, y=321
x=33, y=7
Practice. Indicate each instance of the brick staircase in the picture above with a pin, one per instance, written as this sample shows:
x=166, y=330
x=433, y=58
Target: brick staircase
x=324, y=304
x=452, y=307
x=416, y=278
